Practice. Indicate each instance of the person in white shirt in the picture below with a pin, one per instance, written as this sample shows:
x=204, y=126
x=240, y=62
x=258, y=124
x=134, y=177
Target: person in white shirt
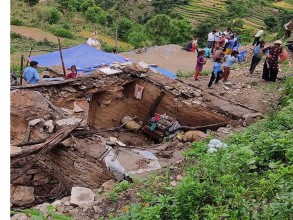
x=93, y=41
x=288, y=28
x=257, y=37
x=211, y=39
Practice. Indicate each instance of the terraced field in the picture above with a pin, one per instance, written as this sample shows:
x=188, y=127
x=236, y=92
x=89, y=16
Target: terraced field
x=198, y=10
x=283, y=4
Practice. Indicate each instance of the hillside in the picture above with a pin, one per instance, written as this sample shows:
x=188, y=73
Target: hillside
x=138, y=23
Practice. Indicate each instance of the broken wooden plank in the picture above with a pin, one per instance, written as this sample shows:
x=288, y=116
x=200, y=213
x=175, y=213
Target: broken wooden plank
x=47, y=146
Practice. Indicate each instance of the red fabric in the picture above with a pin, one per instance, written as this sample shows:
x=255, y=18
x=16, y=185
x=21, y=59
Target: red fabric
x=71, y=76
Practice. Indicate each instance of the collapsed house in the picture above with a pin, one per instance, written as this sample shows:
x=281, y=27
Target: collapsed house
x=116, y=121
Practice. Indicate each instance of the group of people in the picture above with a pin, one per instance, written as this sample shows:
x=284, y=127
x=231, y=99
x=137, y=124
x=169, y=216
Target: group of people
x=224, y=48
x=31, y=76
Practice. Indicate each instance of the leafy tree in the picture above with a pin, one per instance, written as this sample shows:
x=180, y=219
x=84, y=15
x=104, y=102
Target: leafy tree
x=160, y=29
x=54, y=16
x=272, y=22
x=203, y=30
x=124, y=27
x=86, y=4
x=92, y=13
x=182, y=31
x=237, y=10
x=138, y=37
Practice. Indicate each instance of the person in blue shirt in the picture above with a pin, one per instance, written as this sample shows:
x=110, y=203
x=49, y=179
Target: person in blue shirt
x=30, y=74
x=207, y=52
x=217, y=72
x=230, y=45
x=229, y=61
x=257, y=55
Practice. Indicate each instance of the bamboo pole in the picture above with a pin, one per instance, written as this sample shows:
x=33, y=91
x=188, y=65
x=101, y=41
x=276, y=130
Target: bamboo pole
x=21, y=68
x=61, y=57
x=29, y=56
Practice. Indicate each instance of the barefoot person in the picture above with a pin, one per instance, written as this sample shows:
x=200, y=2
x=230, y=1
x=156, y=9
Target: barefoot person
x=199, y=64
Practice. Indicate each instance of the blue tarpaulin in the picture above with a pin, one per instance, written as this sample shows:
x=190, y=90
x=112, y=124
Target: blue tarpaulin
x=165, y=72
x=83, y=56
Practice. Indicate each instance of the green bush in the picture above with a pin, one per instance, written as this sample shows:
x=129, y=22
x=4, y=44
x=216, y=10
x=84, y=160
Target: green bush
x=272, y=22
x=32, y=2
x=16, y=21
x=60, y=32
x=54, y=16
x=141, y=6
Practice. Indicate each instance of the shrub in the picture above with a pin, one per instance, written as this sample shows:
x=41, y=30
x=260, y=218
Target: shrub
x=54, y=16
x=60, y=32
x=16, y=21
x=141, y=6
x=272, y=22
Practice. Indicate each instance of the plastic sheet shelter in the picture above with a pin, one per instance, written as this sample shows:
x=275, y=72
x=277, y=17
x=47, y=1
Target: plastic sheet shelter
x=83, y=56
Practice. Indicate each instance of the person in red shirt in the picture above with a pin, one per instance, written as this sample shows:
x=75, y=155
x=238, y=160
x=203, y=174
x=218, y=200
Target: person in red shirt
x=73, y=73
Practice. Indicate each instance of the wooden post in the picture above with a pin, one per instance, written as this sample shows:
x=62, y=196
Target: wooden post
x=29, y=56
x=21, y=67
x=60, y=49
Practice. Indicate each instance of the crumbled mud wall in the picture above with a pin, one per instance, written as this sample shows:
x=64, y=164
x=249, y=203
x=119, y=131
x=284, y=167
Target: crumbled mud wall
x=112, y=105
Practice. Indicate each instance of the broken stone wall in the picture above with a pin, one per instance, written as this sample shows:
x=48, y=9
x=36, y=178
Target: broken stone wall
x=108, y=108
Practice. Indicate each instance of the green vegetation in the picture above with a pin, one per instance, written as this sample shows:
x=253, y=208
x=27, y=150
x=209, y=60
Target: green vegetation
x=250, y=179
x=38, y=215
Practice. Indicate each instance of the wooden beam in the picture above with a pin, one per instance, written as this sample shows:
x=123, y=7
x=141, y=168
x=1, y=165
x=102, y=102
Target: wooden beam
x=21, y=68
x=61, y=57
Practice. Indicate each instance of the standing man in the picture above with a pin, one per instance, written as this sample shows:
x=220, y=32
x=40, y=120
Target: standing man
x=218, y=36
x=288, y=28
x=257, y=37
x=211, y=39
x=30, y=74
x=230, y=45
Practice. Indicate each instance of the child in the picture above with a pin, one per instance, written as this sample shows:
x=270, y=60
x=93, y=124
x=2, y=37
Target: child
x=207, y=53
x=229, y=61
x=194, y=45
x=217, y=72
x=73, y=73
x=199, y=64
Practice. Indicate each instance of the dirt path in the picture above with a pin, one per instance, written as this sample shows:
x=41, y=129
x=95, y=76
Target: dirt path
x=34, y=33
x=170, y=57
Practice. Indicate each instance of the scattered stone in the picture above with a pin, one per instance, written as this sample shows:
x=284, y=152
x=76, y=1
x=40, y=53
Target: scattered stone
x=108, y=185
x=248, y=121
x=249, y=86
x=229, y=83
x=253, y=115
x=225, y=87
x=57, y=203
x=66, y=200
x=14, y=151
x=22, y=195
x=49, y=126
x=43, y=208
x=41, y=179
x=173, y=183
x=81, y=196
x=20, y=216
x=68, y=121
x=32, y=123
x=97, y=209
x=179, y=177
x=76, y=108
x=195, y=102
